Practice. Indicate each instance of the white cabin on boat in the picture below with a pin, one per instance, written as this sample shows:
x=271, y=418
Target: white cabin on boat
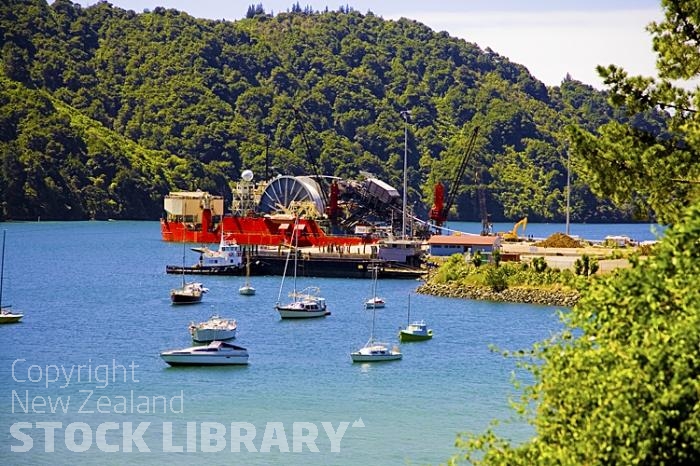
x=229, y=254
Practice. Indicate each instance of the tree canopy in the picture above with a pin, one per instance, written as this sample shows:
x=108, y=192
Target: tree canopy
x=293, y=93
x=651, y=166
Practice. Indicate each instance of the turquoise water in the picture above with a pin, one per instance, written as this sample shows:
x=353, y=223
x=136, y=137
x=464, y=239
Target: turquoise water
x=95, y=294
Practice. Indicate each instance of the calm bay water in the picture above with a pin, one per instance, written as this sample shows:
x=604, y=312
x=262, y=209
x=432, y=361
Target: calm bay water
x=96, y=294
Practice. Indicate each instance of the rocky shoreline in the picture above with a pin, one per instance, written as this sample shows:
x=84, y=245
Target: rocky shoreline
x=560, y=298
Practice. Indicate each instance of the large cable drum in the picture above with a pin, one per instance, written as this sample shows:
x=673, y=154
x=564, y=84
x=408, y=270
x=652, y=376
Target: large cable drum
x=284, y=191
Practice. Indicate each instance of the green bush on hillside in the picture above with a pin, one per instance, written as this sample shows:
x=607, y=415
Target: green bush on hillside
x=621, y=383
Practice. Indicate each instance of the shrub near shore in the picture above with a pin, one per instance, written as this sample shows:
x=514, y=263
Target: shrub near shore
x=513, y=282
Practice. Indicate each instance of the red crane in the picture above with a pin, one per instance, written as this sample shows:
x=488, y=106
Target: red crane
x=441, y=208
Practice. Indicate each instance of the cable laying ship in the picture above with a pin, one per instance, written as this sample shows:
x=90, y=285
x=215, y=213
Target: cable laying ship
x=263, y=214
x=338, y=236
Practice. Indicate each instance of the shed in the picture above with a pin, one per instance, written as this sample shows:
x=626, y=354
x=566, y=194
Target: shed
x=446, y=245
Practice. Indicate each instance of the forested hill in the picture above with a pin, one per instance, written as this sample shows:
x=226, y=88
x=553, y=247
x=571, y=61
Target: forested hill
x=103, y=111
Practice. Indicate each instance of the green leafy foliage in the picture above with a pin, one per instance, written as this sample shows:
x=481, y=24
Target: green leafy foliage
x=620, y=384
x=586, y=265
x=650, y=164
x=458, y=271
x=496, y=278
x=296, y=93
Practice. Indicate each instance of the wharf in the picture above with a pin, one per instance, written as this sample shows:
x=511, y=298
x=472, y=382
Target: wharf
x=340, y=262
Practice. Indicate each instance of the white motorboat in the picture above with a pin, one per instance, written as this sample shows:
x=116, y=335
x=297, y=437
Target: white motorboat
x=415, y=331
x=216, y=328
x=228, y=255
x=6, y=316
x=217, y=353
x=375, y=303
x=226, y=260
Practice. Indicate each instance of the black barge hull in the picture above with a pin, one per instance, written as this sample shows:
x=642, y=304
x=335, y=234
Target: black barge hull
x=347, y=267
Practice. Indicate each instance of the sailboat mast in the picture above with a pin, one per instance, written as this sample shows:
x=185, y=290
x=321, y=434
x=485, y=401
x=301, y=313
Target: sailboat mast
x=284, y=275
x=296, y=243
x=408, y=317
x=286, y=264
x=247, y=268
x=374, y=302
x=374, y=316
x=184, y=219
x=2, y=264
x=374, y=287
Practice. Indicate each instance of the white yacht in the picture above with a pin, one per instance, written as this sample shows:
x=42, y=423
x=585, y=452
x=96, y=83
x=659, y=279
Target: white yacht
x=375, y=351
x=217, y=353
x=305, y=304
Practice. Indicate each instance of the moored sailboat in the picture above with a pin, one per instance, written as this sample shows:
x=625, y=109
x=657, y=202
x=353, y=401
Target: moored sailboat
x=305, y=304
x=6, y=316
x=247, y=289
x=375, y=302
x=189, y=292
x=374, y=350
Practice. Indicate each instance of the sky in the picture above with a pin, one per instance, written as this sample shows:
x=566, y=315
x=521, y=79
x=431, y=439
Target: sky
x=549, y=37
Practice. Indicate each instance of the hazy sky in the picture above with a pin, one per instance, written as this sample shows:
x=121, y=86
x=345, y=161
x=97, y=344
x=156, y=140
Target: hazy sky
x=551, y=38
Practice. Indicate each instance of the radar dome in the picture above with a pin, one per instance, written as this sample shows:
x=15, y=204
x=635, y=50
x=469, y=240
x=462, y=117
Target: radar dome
x=247, y=175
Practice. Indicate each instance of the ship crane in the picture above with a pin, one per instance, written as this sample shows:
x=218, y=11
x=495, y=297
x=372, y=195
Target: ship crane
x=313, y=161
x=440, y=210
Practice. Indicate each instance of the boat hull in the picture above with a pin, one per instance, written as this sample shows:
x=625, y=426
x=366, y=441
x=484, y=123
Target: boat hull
x=359, y=357
x=374, y=304
x=217, y=353
x=375, y=352
x=204, y=270
x=286, y=313
x=177, y=298
x=246, y=290
x=10, y=318
x=408, y=336
x=207, y=335
x=189, y=293
x=261, y=231
x=208, y=360
x=346, y=267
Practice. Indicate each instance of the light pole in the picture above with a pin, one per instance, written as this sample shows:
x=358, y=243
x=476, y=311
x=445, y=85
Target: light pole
x=405, y=114
x=568, y=191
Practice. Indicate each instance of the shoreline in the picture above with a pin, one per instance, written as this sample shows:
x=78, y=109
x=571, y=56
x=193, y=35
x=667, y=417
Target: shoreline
x=564, y=298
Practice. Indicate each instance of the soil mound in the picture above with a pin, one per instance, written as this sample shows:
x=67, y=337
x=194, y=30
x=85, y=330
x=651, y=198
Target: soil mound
x=559, y=240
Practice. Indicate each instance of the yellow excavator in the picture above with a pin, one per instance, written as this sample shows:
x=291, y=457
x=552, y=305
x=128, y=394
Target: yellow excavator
x=513, y=235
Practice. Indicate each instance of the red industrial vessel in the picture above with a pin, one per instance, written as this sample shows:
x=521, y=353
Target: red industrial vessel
x=263, y=231
x=255, y=218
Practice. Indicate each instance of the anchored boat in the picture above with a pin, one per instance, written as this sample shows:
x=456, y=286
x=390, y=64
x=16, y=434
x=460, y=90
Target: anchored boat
x=415, y=331
x=216, y=328
x=217, y=353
